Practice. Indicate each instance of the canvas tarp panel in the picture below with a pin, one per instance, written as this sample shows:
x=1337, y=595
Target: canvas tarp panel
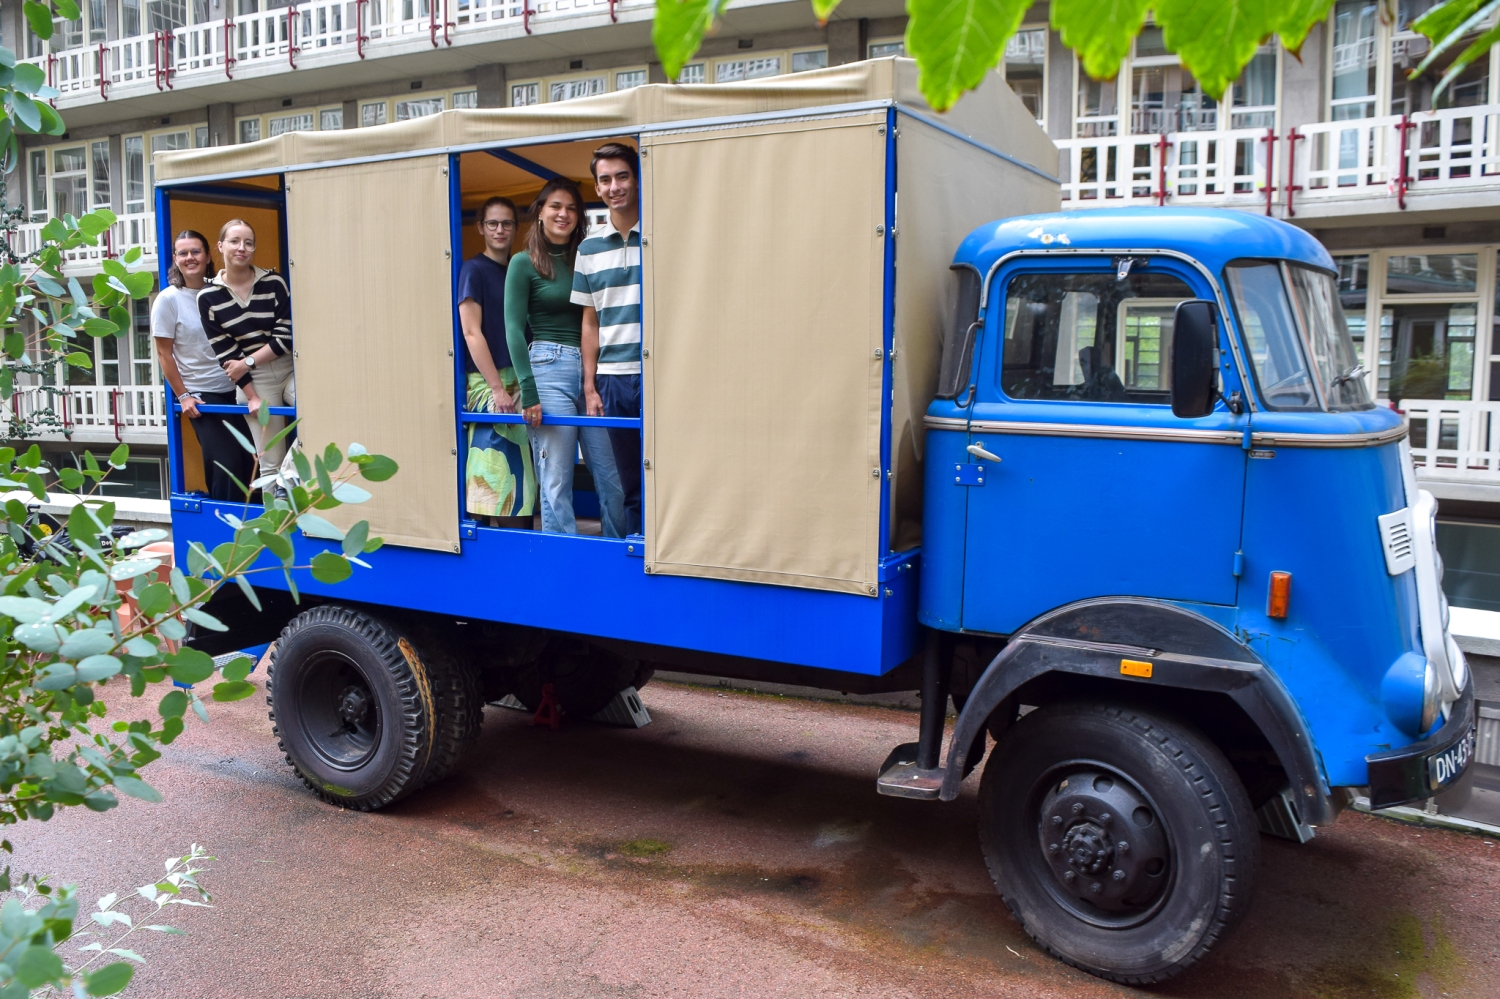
x=763, y=312
x=947, y=189
x=373, y=354
x=621, y=112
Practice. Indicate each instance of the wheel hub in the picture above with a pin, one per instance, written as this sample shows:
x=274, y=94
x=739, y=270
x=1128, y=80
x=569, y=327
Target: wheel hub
x=354, y=705
x=1103, y=842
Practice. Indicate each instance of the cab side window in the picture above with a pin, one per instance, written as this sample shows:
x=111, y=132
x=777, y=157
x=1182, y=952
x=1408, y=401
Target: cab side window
x=1089, y=337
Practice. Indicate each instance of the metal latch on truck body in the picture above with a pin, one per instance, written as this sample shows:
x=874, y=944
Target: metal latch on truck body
x=968, y=475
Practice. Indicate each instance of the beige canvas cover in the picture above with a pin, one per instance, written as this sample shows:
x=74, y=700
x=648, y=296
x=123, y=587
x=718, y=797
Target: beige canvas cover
x=371, y=277
x=978, y=114
x=763, y=316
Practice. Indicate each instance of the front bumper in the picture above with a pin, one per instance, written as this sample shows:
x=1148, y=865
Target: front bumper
x=1422, y=769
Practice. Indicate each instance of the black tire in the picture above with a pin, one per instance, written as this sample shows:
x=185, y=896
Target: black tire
x=583, y=677
x=1121, y=839
x=457, y=689
x=361, y=716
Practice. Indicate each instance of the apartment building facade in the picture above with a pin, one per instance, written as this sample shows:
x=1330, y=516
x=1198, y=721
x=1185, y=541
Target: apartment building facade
x=1404, y=192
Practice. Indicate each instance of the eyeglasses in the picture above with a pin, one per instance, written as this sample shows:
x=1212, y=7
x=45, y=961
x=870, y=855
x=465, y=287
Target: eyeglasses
x=493, y=224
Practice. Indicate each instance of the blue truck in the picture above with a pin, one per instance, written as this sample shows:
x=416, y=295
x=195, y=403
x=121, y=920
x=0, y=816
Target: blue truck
x=1111, y=482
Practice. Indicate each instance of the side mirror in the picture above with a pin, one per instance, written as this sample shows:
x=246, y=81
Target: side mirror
x=1195, y=340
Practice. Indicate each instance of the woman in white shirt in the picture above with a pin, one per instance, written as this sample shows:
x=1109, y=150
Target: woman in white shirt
x=194, y=373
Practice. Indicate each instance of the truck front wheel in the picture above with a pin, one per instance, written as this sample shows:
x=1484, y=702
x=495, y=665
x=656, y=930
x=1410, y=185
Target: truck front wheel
x=363, y=715
x=1121, y=839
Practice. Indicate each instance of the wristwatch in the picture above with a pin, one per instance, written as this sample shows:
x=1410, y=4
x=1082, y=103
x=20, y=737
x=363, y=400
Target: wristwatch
x=250, y=361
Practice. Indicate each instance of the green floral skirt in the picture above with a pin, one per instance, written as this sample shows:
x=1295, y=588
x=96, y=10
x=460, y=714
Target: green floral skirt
x=499, y=478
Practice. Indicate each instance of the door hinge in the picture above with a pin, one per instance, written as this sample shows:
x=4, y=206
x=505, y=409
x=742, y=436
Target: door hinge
x=968, y=475
x=1239, y=564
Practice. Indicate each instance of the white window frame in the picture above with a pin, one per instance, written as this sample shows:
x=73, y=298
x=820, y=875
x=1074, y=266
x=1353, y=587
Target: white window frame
x=875, y=43
x=1046, y=63
x=792, y=54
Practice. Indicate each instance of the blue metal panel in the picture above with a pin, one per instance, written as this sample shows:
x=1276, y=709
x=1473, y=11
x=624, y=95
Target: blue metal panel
x=1349, y=620
x=1213, y=236
x=840, y=631
x=944, y=517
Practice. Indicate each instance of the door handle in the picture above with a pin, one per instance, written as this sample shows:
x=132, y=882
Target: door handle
x=978, y=451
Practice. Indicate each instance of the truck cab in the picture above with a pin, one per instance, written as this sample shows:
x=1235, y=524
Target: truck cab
x=1158, y=495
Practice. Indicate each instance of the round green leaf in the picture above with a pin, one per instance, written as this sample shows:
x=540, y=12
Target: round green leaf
x=189, y=666
x=172, y=706
x=39, y=16
x=110, y=979
x=330, y=568
x=37, y=966
x=238, y=669
x=98, y=668
x=233, y=690
x=378, y=468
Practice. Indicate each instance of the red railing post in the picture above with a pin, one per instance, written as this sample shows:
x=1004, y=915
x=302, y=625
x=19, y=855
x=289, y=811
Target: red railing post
x=526, y=13
x=51, y=76
x=1162, y=145
x=114, y=405
x=103, y=79
x=291, y=36
x=229, y=59
x=1270, y=140
x=1404, y=179
x=612, y=16
x=432, y=21
x=359, y=26
x=1292, y=138
x=447, y=23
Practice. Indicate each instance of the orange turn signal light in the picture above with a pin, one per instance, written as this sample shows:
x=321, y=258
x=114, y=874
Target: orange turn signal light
x=1281, y=595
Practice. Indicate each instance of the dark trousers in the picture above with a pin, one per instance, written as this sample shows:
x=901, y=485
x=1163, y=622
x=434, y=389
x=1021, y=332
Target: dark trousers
x=621, y=395
x=221, y=451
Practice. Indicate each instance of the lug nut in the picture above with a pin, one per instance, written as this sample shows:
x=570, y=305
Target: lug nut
x=1068, y=876
x=1077, y=807
x=1052, y=849
x=1104, y=817
x=1057, y=820
x=1095, y=887
x=1119, y=875
x=1122, y=846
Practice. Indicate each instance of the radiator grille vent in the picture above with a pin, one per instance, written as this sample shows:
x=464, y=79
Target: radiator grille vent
x=1487, y=747
x=1395, y=538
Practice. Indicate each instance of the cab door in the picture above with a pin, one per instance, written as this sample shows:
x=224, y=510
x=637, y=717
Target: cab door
x=1099, y=490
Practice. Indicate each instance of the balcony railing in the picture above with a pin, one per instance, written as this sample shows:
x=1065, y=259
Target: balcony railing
x=136, y=229
x=203, y=52
x=1456, y=441
x=1447, y=151
x=135, y=413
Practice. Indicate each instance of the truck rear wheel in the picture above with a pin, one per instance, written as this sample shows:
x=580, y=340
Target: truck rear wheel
x=1121, y=839
x=362, y=716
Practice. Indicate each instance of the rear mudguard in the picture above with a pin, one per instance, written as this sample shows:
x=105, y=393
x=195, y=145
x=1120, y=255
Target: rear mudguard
x=1102, y=637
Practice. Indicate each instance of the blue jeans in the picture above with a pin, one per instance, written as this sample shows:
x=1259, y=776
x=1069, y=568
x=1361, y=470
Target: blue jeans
x=558, y=371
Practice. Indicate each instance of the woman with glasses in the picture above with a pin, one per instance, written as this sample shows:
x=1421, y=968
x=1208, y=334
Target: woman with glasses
x=499, y=478
x=538, y=297
x=247, y=314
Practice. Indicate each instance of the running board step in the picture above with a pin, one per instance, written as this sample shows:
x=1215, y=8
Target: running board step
x=900, y=777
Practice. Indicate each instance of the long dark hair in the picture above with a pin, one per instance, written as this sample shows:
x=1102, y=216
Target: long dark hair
x=538, y=246
x=174, y=276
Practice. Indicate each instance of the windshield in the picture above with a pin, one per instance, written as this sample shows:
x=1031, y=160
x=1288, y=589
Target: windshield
x=1281, y=337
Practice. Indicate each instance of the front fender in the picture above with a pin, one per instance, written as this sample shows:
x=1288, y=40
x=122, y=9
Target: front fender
x=1184, y=650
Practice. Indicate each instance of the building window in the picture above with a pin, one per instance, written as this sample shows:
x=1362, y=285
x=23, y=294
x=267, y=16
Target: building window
x=1098, y=111
x=804, y=61
x=524, y=95
x=99, y=168
x=1252, y=99
x=629, y=79
x=161, y=144
x=734, y=70
x=1164, y=97
x=135, y=174
x=140, y=342
x=692, y=73
x=1354, y=295
x=419, y=108
x=1026, y=69
x=466, y=99
x=70, y=182
x=130, y=18
x=882, y=49
x=250, y=130
x=372, y=114
x=567, y=90
x=38, y=185
x=1408, y=49
x=200, y=137
x=331, y=119
x=289, y=123
x=1354, y=59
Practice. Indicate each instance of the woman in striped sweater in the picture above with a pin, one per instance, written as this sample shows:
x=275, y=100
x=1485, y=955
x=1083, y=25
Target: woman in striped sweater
x=247, y=314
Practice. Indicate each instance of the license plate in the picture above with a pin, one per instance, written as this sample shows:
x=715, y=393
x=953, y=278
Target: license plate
x=1444, y=767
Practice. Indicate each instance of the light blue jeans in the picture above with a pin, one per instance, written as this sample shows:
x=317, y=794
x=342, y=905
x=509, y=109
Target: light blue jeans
x=558, y=371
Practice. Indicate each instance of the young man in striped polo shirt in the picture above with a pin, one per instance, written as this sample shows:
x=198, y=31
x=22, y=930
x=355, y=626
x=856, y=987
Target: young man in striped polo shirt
x=607, y=283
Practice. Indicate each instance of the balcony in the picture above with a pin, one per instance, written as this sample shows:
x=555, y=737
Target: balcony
x=1456, y=448
x=320, y=33
x=1427, y=161
x=134, y=230
x=90, y=414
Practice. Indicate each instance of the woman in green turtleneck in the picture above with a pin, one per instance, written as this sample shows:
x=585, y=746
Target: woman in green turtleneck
x=538, y=287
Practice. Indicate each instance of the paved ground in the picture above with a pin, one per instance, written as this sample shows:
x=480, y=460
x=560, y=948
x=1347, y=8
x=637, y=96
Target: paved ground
x=735, y=847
